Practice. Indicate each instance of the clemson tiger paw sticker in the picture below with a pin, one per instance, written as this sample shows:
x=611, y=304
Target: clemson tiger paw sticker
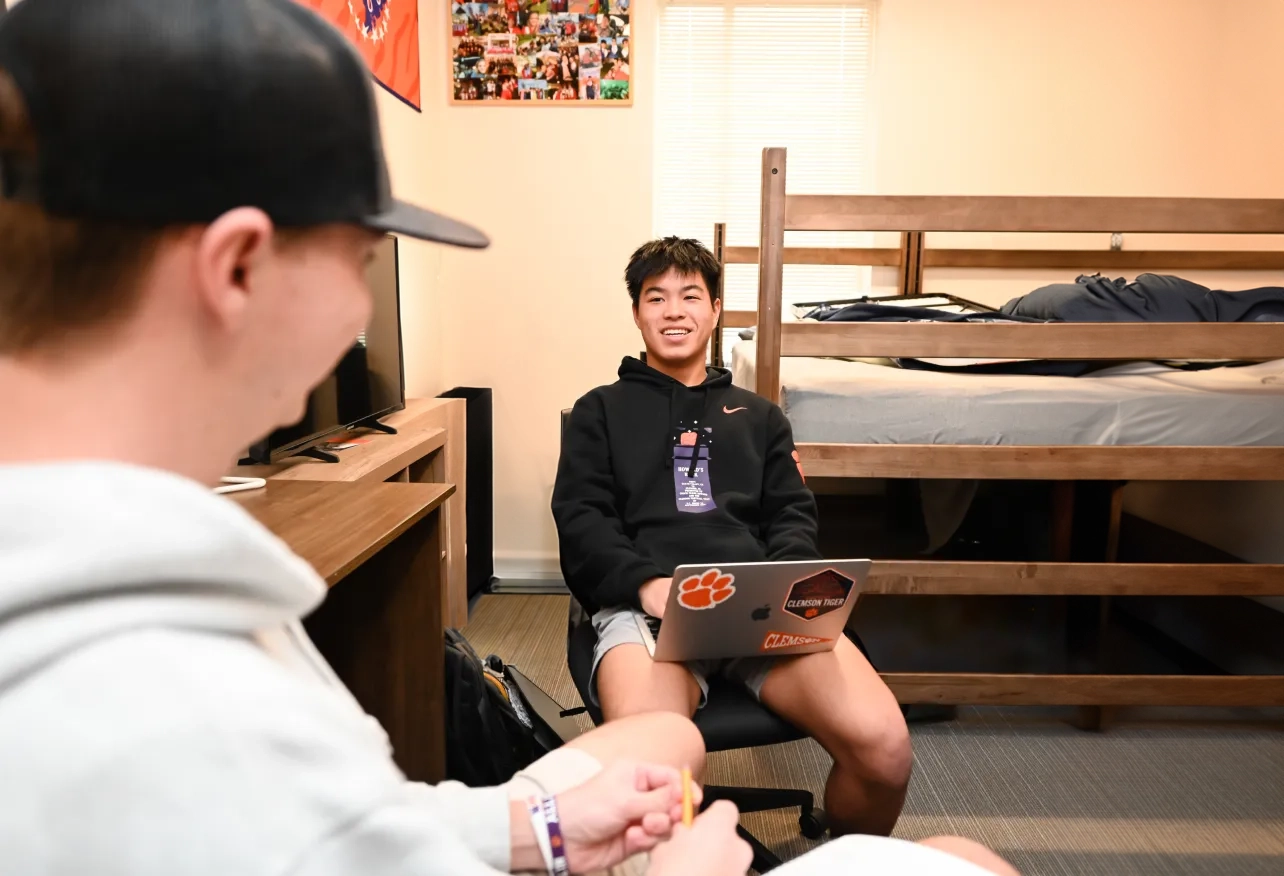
x=706, y=591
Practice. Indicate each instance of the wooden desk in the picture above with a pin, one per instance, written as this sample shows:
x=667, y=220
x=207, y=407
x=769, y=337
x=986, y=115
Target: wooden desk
x=429, y=447
x=378, y=546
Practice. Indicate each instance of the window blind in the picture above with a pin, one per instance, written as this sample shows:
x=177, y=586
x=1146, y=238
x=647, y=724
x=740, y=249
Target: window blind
x=736, y=76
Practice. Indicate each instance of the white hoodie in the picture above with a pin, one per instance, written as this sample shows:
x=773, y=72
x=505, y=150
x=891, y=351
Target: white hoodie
x=163, y=713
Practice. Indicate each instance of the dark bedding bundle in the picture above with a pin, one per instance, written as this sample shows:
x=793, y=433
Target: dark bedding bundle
x=871, y=311
x=1149, y=298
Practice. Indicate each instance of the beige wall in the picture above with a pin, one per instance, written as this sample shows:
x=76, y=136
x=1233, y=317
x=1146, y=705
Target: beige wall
x=1145, y=97
x=542, y=316
x=413, y=151
x=1097, y=97
x=1246, y=519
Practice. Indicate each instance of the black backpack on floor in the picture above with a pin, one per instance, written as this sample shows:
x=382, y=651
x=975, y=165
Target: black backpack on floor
x=489, y=731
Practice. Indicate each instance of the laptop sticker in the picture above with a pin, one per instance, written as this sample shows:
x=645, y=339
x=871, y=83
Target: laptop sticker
x=817, y=595
x=706, y=591
x=691, y=488
x=775, y=641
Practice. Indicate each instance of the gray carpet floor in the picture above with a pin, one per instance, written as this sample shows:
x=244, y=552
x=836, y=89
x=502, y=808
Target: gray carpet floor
x=1160, y=792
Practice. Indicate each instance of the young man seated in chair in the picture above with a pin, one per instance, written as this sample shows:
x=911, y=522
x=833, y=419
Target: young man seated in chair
x=626, y=520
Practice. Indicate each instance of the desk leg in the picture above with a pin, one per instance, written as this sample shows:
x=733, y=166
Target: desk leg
x=381, y=630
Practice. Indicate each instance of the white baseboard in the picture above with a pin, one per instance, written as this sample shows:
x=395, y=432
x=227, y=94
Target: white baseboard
x=527, y=573
x=530, y=586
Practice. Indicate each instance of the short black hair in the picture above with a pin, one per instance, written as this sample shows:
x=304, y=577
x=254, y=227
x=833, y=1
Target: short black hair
x=658, y=256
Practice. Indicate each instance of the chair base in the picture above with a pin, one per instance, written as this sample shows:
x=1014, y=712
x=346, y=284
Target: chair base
x=811, y=820
x=764, y=859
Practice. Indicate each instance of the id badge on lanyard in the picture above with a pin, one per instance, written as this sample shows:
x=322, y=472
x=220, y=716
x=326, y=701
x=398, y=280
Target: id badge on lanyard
x=691, y=481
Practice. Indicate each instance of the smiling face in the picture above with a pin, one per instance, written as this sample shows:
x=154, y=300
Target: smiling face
x=676, y=315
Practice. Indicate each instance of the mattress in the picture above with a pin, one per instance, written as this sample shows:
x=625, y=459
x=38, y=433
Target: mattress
x=853, y=402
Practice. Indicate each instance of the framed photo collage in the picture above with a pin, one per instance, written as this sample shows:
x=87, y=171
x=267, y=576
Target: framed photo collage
x=575, y=51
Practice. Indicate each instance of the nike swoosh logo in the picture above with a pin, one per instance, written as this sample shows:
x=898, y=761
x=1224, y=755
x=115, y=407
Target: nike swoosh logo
x=727, y=410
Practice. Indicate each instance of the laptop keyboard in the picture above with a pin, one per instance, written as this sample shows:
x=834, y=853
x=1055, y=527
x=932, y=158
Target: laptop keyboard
x=653, y=624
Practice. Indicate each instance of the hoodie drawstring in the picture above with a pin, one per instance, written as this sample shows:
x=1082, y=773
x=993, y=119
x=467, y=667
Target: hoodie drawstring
x=695, y=453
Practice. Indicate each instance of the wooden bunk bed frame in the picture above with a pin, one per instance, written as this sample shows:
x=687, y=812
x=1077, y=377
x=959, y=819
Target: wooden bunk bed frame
x=915, y=216
x=905, y=259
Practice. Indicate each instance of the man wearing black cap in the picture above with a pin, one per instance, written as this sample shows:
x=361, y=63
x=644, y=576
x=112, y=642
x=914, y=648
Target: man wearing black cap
x=189, y=191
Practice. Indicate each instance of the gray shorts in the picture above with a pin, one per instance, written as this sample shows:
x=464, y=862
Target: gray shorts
x=618, y=626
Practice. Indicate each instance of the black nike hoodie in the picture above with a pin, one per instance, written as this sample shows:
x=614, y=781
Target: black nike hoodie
x=654, y=474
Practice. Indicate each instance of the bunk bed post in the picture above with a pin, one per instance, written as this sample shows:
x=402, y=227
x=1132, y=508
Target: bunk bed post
x=916, y=262
x=903, y=274
x=911, y=273
x=771, y=273
x=720, y=253
x=1105, y=654
x=1079, y=640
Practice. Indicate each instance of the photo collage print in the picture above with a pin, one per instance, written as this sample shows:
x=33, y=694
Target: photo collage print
x=532, y=50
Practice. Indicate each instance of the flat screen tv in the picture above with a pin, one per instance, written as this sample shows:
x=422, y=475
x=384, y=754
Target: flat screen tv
x=368, y=383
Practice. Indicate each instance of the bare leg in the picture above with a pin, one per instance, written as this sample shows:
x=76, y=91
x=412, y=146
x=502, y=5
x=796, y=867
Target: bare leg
x=630, y=685
x=629, y=682
x=837, y=698
x=647, y=707
x=653, y=737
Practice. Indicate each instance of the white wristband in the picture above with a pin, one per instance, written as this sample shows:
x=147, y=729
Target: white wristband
x=535, y=809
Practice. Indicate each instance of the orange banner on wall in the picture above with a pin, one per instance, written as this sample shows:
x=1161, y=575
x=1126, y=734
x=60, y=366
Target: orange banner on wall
x=387, y=33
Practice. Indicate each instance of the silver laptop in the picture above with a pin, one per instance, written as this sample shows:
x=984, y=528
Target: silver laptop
x=729, y=610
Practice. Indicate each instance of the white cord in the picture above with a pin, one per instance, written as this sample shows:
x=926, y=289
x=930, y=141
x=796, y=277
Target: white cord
x=236, y=485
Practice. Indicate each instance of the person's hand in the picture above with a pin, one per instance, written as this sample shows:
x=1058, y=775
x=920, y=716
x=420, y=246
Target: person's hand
x=625, y=809
x=710, y=847
x=654, y=596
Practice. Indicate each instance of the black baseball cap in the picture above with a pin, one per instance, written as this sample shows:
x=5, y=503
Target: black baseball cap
x=175, y=111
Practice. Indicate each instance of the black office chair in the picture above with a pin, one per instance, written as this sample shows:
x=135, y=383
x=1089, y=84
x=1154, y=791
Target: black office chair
x=731, y=719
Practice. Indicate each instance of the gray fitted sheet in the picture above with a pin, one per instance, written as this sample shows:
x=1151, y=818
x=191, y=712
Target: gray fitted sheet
x=837, y=401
